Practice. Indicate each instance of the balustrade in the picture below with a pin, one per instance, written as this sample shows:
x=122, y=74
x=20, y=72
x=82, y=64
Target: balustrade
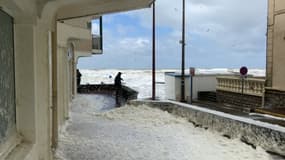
x=252, y=86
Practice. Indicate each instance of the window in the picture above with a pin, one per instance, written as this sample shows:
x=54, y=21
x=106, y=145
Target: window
x=7, y=78
x=97, y=36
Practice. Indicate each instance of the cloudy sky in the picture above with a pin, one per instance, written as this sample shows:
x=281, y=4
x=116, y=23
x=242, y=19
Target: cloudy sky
x=219, y=34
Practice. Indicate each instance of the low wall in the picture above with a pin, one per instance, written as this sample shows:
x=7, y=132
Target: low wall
x=269, y=137
x=274, y=98
x=207, y=96
x=239, y=100
x=127, y=93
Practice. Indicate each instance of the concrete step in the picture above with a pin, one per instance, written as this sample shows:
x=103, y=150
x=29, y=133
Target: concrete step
x=278, y=112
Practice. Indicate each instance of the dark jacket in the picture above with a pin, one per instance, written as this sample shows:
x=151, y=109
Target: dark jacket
x=118, y=79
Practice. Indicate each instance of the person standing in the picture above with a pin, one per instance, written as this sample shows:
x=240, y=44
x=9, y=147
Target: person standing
x=78, y=76
x=118, y=87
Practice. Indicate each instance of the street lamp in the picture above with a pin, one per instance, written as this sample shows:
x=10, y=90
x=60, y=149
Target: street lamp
x=183, y=54
x=153, y=51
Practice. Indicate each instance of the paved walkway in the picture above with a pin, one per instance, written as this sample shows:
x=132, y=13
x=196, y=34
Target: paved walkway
x=98, y=131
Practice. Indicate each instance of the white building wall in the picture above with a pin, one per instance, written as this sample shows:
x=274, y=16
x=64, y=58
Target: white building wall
x=173, y=87
x=170, y=87
x=32, y=92
x=200, y=83
x=203, y=83
x=64, y=84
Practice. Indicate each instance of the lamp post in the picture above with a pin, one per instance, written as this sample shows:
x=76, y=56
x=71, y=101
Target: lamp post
x=153, y=51
x=183, y=55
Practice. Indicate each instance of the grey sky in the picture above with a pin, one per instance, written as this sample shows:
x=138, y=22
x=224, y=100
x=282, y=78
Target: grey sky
x=220, y=33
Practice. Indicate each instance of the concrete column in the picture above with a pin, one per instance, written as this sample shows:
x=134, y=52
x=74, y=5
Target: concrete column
x=269, y=46
x=42, y=90
x=25, y=80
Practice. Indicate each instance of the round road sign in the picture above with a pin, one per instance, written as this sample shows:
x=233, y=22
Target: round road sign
x=243, y=71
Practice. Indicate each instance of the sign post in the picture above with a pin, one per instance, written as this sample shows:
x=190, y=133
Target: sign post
x=243, y=73
x=192, y=73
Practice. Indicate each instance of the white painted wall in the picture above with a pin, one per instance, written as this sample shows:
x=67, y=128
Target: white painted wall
x=200, y=83
x=170, y=87
x=203, y=83
x=173, y=87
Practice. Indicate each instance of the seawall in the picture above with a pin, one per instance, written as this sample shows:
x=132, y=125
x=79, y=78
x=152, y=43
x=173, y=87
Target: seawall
x=255, y=133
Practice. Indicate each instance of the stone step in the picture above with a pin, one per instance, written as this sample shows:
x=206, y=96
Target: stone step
x=278, y=112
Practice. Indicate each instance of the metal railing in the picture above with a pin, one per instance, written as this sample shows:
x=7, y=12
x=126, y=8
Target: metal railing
x=252, y=86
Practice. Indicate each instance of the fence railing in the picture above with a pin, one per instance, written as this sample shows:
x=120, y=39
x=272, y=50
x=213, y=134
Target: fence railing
x=252, y=86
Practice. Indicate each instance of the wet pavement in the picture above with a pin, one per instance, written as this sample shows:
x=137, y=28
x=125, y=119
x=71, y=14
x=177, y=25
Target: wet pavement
x=98, y=130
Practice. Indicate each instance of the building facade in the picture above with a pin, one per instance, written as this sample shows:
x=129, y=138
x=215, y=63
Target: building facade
x=40, y=43
x=275, y=73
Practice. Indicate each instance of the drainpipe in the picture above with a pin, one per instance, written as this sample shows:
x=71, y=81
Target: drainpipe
x=153, y=51
x=183, y=55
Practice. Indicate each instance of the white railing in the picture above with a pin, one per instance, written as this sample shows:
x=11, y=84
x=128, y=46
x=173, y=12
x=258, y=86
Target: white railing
x=252, y=86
